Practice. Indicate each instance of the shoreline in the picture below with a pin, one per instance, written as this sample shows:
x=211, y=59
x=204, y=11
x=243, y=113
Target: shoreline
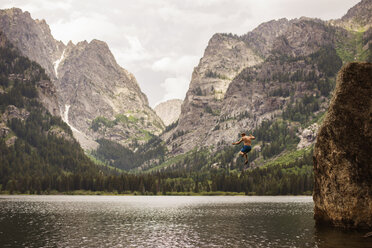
x=135, y=193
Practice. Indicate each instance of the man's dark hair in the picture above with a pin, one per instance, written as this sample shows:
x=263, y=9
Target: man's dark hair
x=243, y=134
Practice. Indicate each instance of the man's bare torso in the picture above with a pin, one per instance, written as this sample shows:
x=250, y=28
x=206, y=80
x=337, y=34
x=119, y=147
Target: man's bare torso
x=247, y=140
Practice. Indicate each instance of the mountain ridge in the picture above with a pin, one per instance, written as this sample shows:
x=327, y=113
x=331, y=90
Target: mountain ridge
x=279, y=76
x=296, y=72
x=93, y=90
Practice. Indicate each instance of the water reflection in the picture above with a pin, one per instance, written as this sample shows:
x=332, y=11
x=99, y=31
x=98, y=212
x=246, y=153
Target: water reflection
x=333, y=238
x=162, y=221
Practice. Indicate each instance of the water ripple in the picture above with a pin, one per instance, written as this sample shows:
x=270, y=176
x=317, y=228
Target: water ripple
x=162, y=221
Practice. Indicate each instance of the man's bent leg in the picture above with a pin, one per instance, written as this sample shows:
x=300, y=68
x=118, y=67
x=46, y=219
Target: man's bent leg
x=246, y=158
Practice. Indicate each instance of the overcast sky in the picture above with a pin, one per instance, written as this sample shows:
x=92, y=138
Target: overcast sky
x=161, y=41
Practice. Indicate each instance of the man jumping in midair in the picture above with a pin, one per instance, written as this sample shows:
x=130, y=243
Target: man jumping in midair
x=247, y=145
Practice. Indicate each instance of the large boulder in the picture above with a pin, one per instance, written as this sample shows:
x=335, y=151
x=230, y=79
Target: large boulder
x=343, y=153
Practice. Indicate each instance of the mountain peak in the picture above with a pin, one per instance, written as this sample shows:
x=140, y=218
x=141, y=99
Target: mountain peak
x=98, y=43
x=15, y=12
x=70, y=43
x=43, y=25
x=271, y=24
x=98, y=98
x=358, y=17
x=82, y=43
x=24, y=33
x=363, y=8
x=228, y=95
x=262, y=37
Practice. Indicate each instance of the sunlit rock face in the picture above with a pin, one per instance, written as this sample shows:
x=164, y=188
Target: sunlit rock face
x=224, y=58
x=234, y=86
x=169, y=111
x=46, y=95
x=96, y=97
x=101, y=99
x=342, y=153
x=32, y=37
x=34, y=40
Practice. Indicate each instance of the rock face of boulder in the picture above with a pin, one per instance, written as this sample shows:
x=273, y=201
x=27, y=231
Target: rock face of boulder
x=342, y=153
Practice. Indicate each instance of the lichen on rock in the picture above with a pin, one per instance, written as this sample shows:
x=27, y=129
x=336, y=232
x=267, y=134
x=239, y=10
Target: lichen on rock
x=342, y=153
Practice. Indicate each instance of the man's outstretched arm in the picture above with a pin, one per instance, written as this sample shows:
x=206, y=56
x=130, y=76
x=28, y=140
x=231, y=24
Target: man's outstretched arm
x=238, y=142
x=252, y=137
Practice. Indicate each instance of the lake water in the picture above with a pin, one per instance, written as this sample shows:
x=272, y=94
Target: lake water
x=166, y=221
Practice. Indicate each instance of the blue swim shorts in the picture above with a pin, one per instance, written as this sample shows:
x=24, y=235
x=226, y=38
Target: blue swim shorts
x=246, y=149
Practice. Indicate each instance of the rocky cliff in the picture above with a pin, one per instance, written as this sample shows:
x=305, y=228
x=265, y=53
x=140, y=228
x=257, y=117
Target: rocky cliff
x=37, y=148
x=100, y=98
x=342, y=153
x=47, y=93
x=283, y=69
x=96, y=97
x=224, y=58
x=169, y=111
x=357, y=18
x=258, y=91
x=25, y=33
x=24, y=89
x=262, y=38
x=32, y=37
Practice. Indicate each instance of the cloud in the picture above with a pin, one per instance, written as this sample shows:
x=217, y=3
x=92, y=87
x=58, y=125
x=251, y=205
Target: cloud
x=181, y=67
x=178, y=65
x=175, y=88
x=83, y=27
x=131, y=51
x=37, y=5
